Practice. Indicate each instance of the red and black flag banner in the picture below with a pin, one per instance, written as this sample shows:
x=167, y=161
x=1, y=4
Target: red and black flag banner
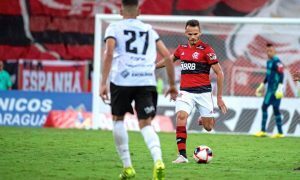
x=33, y=29
x=64, y=29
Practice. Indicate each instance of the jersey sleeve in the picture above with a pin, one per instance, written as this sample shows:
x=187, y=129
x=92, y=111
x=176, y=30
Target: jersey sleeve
x=211, y=56
x=177, y=53
x=279, y=69
x=155, y=35
x=266, y=75
x=110, y=32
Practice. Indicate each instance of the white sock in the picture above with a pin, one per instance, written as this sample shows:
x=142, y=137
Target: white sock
x=121, y=142
x=152, y=141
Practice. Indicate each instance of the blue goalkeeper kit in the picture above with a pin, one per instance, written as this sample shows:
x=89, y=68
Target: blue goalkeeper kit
x=273, y=79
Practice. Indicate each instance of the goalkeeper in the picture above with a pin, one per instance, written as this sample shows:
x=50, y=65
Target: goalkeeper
x=274, y=92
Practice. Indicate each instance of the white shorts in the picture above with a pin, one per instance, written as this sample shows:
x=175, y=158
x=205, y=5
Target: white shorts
x=203, y=102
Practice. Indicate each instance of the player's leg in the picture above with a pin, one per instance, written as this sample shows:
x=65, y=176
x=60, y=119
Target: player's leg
x=184, y=105
x=264, y=108
x=145, y=104
x=153, y=143
x=204, y=104
x=121, y=104
x=181, y=135
x=121, y=142
x=278, y=119
x=208, y=123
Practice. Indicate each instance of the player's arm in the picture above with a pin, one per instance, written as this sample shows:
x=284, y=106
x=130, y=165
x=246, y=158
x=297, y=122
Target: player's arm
x=265, y=80
x=259, y=89
x=110, y=44
x=220, y=78
x=280, y=68
x=161, y=63
x=164, y=52
x=279, y=91
x=173, y=57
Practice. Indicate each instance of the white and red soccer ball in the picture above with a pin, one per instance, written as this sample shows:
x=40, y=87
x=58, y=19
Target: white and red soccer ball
x=203, y=154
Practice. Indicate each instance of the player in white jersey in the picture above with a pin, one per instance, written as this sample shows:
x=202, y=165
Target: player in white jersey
x=129, y=58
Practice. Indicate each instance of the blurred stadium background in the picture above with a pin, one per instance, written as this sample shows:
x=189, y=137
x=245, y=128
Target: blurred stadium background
x=47, y=47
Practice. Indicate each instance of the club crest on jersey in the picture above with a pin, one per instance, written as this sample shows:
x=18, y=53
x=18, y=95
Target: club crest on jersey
x=212, y=56
x=195, y=55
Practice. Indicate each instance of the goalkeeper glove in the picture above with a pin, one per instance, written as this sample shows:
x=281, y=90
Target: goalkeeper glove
x=259, y=89
x=279, y=91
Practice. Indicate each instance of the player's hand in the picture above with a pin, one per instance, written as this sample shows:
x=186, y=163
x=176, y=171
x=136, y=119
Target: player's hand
x=222, y=106
x=173, y=92
x=104, y=93
x=259, y=89
x=279, y=92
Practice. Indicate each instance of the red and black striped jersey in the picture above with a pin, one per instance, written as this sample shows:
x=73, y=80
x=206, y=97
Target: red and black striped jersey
x=195, y=66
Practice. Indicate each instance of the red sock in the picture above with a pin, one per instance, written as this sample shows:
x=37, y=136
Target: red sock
x=181, y=139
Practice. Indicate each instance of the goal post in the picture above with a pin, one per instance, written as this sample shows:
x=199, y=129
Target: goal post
x=238, y=41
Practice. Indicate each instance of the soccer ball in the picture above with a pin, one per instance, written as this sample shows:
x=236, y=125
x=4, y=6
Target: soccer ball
x=203, y=154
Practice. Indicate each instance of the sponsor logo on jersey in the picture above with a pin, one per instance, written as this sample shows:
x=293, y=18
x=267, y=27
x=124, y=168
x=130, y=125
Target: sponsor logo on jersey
x=195, y=55
x=188, y=66
x=137, y=58
x=182, y=54
x=200, y=47
x=141, y=74
x=212, y=56
x=124, y=73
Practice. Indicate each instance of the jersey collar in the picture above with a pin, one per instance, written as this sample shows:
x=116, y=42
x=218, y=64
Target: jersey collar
x=196, y=45
x=274, y=58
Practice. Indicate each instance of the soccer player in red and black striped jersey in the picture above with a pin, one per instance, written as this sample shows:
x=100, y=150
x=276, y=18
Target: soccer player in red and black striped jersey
x=197, y=58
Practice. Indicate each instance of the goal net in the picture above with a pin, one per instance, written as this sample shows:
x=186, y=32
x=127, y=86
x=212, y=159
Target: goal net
x=238, y=42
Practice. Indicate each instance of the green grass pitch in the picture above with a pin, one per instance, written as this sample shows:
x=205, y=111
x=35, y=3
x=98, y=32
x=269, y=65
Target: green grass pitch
x=36, y=153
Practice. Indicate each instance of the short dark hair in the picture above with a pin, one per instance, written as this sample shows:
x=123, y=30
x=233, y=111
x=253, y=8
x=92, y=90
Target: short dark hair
x=130, y=2
x=193, y=23
x=269, y=45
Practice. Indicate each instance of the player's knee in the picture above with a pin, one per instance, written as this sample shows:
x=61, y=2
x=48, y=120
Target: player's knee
x=182, y=116
x=117, y=118
x=208, y=128
x=276, y=112
x=144, y=122
x=208, y=123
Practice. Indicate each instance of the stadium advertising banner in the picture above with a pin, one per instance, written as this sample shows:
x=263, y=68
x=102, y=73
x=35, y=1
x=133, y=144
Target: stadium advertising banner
x=244, y=117
x=30, y=109
x=53, y=76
